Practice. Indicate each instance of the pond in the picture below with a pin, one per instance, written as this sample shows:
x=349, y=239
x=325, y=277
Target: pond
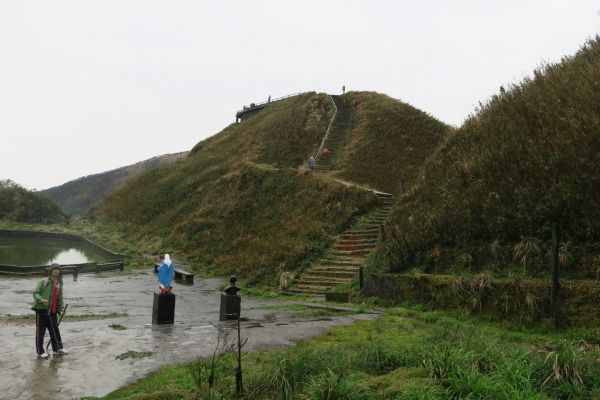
x=30, y=251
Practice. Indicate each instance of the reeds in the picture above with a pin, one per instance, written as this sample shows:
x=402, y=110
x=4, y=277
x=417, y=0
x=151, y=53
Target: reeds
x=525, y=160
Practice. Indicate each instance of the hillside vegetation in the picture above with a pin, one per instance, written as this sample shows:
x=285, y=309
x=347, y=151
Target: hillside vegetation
x=488, y=197
x=21, y=205
x=237, y=202
x=388, y=143
x=77, y=196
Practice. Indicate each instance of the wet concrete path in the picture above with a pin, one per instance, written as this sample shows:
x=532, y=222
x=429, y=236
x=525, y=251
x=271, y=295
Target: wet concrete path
x=91, y=367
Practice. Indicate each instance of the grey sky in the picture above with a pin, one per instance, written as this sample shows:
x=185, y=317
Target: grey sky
x=88, y=86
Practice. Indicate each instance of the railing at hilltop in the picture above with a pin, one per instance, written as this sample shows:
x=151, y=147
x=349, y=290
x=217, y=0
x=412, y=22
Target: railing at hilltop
x=328, y=129
x=256, y=106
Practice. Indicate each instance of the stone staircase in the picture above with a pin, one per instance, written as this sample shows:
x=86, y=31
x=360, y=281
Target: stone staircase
x=341, y=126
x=342, y=262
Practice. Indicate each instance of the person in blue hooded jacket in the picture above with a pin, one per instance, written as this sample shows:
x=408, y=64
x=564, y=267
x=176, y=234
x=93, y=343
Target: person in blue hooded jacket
x=166, y=271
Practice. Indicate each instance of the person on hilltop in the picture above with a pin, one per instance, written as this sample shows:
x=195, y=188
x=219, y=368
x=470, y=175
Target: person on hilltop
x=48, y=296
x=326, y=152
x=311, y=164
x=166, y=271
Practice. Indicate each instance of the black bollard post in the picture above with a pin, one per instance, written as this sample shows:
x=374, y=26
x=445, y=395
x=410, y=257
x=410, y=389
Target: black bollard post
x=231, y=311
x=230, y=302
x=163, y=308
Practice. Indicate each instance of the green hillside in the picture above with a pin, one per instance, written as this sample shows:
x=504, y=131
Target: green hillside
x=528, y=158
x=21, y=205
x=76, y=196
x=238, y=202
x=388, y=143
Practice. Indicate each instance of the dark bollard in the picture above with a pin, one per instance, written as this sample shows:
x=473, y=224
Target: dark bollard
x=231, y=303
x=163, y=310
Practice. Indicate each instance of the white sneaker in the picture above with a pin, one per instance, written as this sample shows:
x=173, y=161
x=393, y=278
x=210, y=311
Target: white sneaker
x=45, y=355
x=61, y=351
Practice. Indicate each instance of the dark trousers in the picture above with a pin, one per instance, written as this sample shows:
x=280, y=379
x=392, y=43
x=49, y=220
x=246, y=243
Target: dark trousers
x=43, y=321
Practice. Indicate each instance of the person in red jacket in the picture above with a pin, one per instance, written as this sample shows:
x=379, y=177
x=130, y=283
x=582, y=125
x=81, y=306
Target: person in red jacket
x=48, y=302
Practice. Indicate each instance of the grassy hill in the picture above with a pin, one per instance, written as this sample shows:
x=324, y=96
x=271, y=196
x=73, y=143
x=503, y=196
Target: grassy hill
x=528, y=158
x=76, y=196
x=388, y=143
x=238, y=202
x=21, y=205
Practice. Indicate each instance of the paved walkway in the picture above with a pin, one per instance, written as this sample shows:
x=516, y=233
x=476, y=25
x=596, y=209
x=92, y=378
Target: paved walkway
x=91, y=368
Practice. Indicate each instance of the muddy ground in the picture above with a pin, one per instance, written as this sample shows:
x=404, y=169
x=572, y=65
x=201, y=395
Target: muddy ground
x=92, y=368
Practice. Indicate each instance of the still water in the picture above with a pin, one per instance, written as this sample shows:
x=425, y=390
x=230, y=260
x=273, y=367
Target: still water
x=26, y=251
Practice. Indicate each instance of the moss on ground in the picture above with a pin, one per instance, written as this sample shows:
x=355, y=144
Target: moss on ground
x=30, y=318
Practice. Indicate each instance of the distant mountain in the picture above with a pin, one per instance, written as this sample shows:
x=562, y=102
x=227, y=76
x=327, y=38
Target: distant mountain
x=21, y=205
x=76, y=196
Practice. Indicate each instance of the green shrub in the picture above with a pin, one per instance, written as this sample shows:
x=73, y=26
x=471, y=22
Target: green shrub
x=21, y=205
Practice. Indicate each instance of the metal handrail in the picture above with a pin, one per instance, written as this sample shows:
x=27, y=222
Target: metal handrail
x=267, y=102
x=328, y=129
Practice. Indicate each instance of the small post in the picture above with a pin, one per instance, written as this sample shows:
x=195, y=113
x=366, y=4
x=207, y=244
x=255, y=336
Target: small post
x=361, y=277
x=230, y=302
x=554, y=302
x=239, y=384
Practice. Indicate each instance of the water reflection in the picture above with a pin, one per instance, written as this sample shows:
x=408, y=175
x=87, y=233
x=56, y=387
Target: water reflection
x=44, y=251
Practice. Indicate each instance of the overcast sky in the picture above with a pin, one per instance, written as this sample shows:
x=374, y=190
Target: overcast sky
x=89, y=86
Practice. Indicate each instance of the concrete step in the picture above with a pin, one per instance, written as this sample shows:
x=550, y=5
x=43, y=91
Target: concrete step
x=302, y=288
x=364, y=236
x=310, y=279
x=346, y=242
x=354, y=246
x=351, y=252
x=370, y=231
x=364, y=225
x=341, y=261
x=333, y=272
